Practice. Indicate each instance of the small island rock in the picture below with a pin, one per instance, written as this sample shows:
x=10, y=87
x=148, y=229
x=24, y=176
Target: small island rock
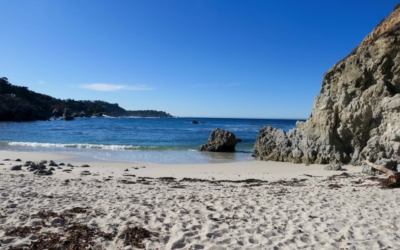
x=220, y=141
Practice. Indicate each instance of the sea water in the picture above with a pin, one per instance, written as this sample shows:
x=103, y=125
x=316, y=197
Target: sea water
x=155, y=140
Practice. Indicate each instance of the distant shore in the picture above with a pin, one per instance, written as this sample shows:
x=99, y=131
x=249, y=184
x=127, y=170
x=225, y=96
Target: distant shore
x=258, y=205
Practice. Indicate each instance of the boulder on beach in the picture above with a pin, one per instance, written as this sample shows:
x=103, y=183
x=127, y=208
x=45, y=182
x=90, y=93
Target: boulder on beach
x=16, y=168
x=334, y=167
x=220, y=141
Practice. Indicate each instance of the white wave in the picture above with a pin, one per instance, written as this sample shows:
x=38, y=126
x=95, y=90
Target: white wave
x=61, y=145
x=107, y=116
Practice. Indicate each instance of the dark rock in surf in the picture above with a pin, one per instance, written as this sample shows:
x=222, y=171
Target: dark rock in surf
x=220, y=141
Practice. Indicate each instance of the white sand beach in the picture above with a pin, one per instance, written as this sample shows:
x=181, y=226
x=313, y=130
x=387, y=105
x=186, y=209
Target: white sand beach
x=128, y=206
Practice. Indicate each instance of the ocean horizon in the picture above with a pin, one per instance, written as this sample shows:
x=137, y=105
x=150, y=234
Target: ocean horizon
x=132, y=139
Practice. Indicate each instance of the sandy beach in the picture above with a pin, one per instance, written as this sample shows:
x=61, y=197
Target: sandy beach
x=242, y=205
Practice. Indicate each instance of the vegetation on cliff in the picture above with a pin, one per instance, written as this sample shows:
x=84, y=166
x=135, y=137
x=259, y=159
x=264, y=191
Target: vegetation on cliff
x=18, y=103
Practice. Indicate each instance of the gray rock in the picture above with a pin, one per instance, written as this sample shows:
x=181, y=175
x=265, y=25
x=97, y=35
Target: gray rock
x=334, y=167
x=42, y=162
x=27, y=163
x=52, y=164
x=18, y=160
x=85, y=172
x=34, y=165
x=61, y=164
x=16, y=168
x=1, y=164
x=357, y=112
x=67, y=170
x=42, y=172
x=57, y=220
x=85, y=166
x=70, y=165
x=220, y=141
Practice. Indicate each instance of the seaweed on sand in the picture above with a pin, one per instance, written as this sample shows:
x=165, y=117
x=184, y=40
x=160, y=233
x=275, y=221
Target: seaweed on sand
x=22, y=231
x=135, y=236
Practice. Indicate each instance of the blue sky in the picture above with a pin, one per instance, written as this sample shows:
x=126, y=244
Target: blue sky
x=215, y=58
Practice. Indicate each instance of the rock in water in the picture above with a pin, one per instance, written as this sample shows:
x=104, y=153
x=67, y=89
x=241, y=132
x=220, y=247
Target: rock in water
x=220, y=141
x=357, y=112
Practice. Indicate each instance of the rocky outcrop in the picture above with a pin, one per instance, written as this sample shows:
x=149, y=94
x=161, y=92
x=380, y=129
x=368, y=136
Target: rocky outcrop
x=357, y=112
x=220, y=141
x=15, y=109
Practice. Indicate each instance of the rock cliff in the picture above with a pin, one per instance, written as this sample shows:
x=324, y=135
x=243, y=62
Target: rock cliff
x=357, y=112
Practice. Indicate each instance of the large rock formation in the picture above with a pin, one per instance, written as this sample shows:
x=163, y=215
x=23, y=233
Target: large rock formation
x=357, y=113
x=220, y=141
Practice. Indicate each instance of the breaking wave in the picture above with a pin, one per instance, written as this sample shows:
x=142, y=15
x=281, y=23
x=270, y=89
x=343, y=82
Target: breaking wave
x=91, y=146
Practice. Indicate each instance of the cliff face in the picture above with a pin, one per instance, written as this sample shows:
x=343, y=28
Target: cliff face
x=357, y=113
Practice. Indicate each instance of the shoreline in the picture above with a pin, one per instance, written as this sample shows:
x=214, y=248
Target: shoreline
x=264, y=170
x=253, y=205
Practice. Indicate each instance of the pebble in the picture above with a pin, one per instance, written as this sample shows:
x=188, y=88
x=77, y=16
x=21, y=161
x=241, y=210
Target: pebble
x=85, y=172
x=18, y=160
x=27, y=163
x=85, y=166
x=42, y=172
x=52, y=164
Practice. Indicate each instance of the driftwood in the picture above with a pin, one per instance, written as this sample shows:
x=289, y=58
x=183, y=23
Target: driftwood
x=393, y=177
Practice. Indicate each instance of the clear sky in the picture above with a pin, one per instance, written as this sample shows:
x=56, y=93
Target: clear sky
x=194, y=58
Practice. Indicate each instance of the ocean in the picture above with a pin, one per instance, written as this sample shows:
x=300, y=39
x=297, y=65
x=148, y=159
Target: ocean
x=155, y=140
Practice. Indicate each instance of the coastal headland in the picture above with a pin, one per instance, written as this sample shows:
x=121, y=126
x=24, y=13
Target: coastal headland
x=18, y=103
